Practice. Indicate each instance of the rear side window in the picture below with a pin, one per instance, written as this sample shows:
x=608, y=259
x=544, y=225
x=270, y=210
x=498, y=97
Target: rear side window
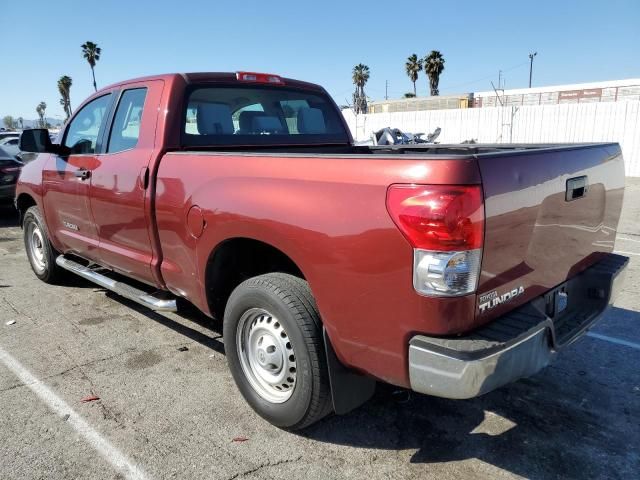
x=82, y=134
x=125, y=130
x=264, y=115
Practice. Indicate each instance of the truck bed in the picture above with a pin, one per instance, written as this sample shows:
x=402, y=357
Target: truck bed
x=432, y=150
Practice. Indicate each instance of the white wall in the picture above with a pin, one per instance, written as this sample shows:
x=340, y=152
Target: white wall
x=579, y=122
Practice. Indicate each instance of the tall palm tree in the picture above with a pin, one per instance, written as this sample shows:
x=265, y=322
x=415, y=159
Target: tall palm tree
x=64, y=87
x=360, y=76
x=412, y=67
x=91, y=52
x=41, y=109
x=433, y=66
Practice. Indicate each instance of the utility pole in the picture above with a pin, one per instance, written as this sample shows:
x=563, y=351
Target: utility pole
x=531, y=55
x=386, y=89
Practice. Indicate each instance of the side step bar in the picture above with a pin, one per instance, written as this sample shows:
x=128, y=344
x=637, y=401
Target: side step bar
x=127, y=291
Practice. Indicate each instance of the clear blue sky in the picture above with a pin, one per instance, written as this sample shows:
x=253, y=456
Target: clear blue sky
x=320, y=41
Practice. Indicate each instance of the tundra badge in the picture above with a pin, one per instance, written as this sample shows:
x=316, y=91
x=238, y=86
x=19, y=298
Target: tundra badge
x=491, y=299
x=70, y=226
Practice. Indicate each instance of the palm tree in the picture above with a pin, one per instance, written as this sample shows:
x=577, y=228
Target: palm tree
x=412, y=67
x=433, y=66
x=91, y=52
x=64, y=87
x=360, y=76
x=42, y=106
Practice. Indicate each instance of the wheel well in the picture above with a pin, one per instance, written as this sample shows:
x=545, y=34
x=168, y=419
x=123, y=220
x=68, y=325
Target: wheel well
x=236, y=260
x=24, y=202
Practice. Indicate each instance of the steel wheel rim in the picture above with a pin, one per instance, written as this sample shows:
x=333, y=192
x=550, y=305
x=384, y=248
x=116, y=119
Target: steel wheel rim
x=35, y=240
x=266, y=355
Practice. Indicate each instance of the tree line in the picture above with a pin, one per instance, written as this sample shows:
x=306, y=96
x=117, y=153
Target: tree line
x=432, y=64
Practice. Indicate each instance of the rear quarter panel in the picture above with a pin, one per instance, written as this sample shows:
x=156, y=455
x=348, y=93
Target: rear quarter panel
x=328, y=214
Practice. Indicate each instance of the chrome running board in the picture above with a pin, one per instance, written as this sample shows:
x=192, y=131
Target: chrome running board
x=127, y=291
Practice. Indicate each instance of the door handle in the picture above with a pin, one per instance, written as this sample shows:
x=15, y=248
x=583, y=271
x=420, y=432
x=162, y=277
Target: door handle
x=82, y=174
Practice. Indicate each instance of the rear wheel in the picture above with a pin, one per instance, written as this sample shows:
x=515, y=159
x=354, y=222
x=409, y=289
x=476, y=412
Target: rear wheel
x=273, y=342
x=41, y=254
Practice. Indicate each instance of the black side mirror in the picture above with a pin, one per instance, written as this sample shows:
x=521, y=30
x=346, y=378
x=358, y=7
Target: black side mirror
x=37, y=140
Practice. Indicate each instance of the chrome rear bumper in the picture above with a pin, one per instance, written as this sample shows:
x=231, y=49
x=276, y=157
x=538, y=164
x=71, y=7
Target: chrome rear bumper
x=516, y=345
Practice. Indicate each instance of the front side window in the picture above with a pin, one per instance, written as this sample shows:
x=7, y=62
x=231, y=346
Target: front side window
x=82, y=134
x=126, y=123
x=260, y=115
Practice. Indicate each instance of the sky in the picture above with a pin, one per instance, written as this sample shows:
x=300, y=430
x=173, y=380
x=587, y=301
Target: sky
x=320, y=41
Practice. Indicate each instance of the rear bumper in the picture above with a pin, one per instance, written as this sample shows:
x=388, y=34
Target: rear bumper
x=518, y=344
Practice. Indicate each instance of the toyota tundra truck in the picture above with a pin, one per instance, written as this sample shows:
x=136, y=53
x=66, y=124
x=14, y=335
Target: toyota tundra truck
x=450, y=270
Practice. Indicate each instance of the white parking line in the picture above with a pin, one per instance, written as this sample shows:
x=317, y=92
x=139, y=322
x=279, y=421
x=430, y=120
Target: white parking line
x=110, y=453
x=627, y=239
x=617, y=341
x=627, y=253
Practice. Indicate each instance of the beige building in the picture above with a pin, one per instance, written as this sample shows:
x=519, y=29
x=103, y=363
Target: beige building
x=594, y=92
x=442, y=102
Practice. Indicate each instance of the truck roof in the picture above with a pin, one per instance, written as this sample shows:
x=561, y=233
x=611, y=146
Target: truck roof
x=205, y=77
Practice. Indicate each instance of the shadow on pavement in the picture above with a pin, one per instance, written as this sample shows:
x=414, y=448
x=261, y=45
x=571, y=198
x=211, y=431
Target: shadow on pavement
x=187, y=312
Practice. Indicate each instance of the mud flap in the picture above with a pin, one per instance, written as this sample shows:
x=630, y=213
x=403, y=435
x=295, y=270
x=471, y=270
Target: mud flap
x=349, y=390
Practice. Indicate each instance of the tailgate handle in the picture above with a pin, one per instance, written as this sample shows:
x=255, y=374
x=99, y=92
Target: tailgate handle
x=576, y=188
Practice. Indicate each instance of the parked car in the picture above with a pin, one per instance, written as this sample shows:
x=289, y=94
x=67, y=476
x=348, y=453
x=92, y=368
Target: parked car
x=9, y=173
x=448, y=269
x=7, y=134
x=11, y=145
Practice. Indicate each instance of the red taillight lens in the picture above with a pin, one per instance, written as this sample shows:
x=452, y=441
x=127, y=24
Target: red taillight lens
x=438, y=217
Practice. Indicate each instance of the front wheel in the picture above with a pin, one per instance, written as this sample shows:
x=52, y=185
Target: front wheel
x=273, y=342
x=41, y=254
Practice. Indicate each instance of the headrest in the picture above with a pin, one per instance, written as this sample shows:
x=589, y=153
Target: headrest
x=311, y=120
x=245, y=120
x=214, y=119
x=266, y=124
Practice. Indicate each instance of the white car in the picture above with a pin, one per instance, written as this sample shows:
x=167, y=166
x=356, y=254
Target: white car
x=10, y=144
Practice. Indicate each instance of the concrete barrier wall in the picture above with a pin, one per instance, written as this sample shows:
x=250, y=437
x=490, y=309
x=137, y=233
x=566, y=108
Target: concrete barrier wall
x=580, y=122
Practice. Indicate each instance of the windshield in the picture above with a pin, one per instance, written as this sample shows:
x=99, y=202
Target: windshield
x=263, y=115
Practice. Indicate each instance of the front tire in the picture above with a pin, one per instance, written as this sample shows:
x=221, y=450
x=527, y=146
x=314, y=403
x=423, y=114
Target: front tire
x=273, y=342
x=41, y=254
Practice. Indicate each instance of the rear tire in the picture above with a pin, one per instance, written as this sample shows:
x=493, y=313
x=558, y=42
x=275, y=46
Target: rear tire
x=273, y=343
x=41, y=254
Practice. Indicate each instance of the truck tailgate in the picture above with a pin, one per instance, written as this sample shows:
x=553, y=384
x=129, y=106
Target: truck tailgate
x=550, y=213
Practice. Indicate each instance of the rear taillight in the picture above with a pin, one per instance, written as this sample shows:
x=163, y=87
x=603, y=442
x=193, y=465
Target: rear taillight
x=445, y=226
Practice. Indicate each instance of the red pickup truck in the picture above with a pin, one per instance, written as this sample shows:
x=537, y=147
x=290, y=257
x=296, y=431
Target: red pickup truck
x=448, y=269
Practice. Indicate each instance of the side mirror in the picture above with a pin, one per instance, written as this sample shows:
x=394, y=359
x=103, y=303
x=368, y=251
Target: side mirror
x=37, y=140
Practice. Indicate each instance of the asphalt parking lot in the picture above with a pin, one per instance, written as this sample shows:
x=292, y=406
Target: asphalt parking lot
x=164, y=411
